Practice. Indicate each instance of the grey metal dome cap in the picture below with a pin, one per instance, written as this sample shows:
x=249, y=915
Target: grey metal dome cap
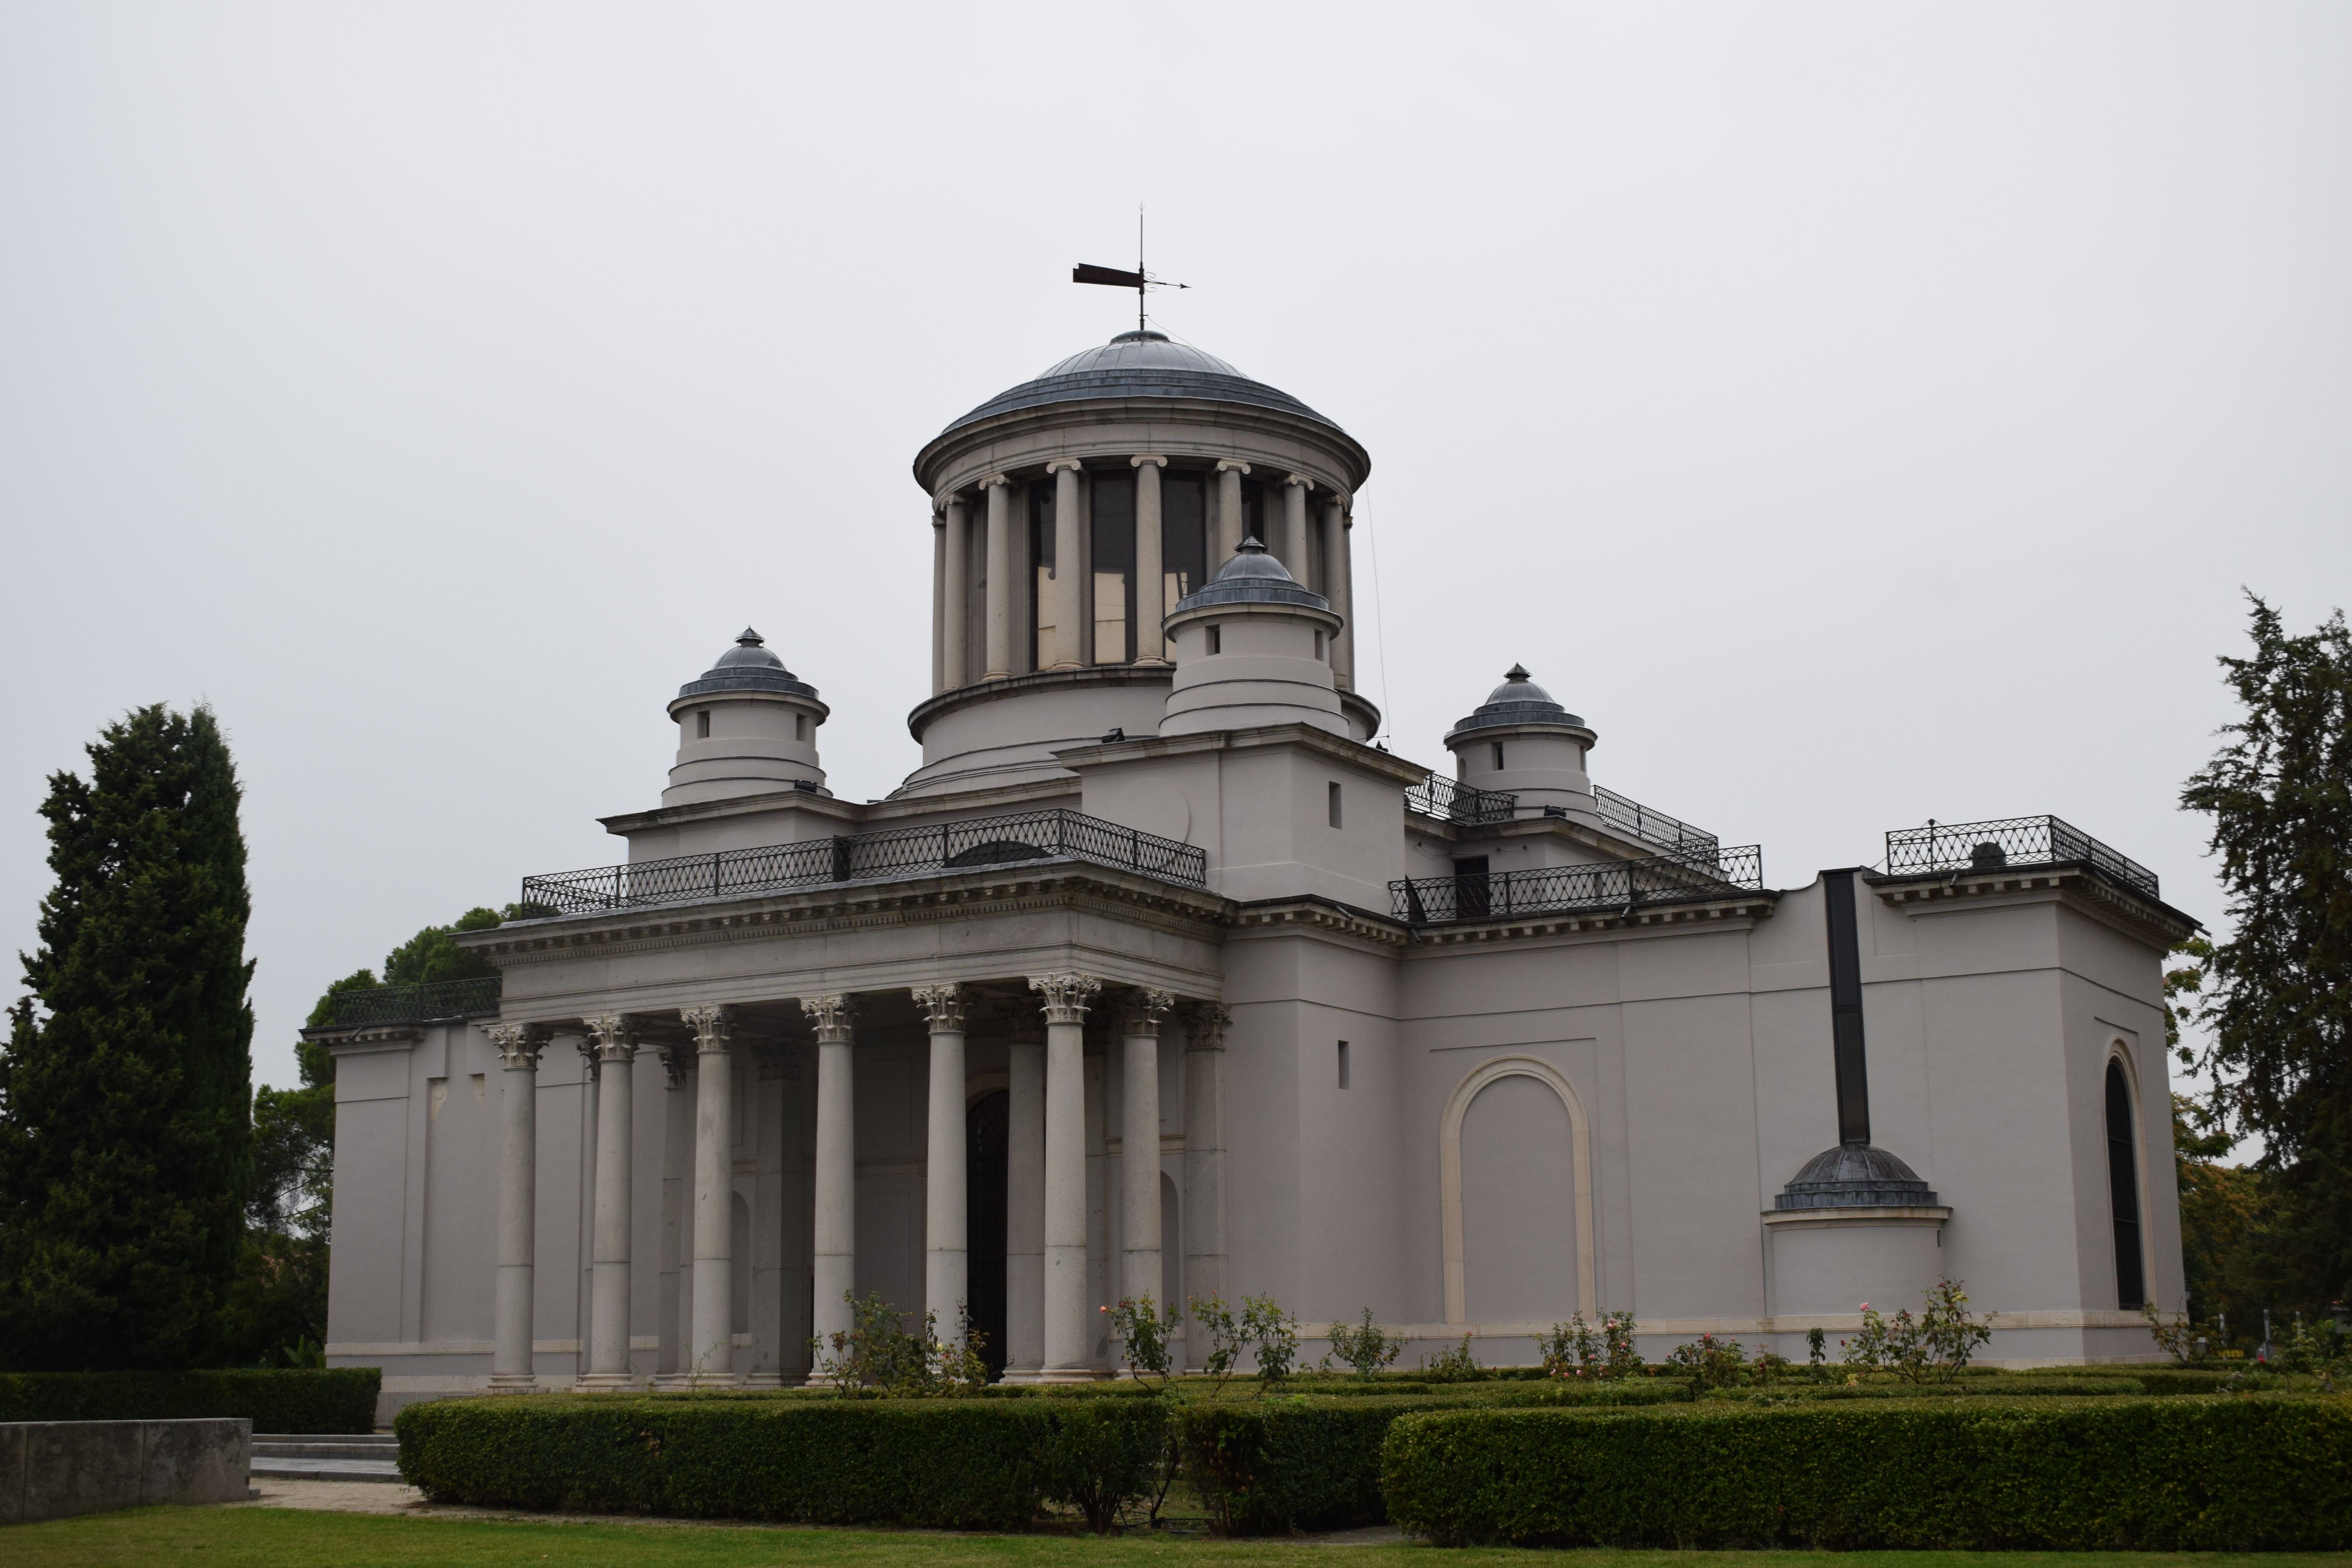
x=1855, y=1176
x=748, y=667
x=1139, y=365
x=1518, y=700
x=1251, y=577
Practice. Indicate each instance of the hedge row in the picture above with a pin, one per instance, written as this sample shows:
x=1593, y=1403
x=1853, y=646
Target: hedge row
x=957, y=1464
x=1313, y=1461
x=276, y=1399
x=2121, y=1474
x=1959, y=1388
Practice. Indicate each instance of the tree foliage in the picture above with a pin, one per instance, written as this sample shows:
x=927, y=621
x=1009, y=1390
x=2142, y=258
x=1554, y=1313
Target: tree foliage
x=2278, y=992
x=125, y=1132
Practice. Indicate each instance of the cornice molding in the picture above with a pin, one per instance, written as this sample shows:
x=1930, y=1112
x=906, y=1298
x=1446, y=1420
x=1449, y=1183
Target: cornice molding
x=2149, y=920
x=1305, y=736
x=1737, y=912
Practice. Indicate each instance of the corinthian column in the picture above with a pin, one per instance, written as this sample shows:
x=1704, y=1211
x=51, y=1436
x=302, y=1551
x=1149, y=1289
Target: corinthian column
x=518, y=1047
x=616, y=1046
x=1294, y=524
x=1000, y=575
x=1229, y=512
x=1339, y=587
x=833, y=1255
x=946, y=1260
x=1204, y=1157
x=711, y=1350
x=1070, y=597
x=1024, y=1202
x=1150, y=592
x=955, y=631
x=1068, y=1334
x=770, y=1355
x=677, y=1214
x=1139, y=1156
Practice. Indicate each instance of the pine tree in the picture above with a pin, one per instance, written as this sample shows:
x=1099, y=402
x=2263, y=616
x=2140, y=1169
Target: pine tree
x=2280, y=990
x=125, y=1125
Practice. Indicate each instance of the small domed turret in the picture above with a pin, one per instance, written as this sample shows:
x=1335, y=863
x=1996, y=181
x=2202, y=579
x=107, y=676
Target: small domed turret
x=747, y=727
x=1253, y=648
x=1520, y=742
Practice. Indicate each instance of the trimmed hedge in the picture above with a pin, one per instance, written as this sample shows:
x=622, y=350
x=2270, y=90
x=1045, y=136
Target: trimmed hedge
x=948, y=1464
x=276, y=1399
x=2247, y=1473
x=1959, y=1388
x=1313, y=1461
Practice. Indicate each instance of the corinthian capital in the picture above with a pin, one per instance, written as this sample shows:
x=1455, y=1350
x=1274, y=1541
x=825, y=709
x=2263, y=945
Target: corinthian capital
x=1204, y=1026
x=944, y=1007
x=518, y=1045
x=1066, y=994
x=676, y=1061
x=713, y=1025
x=607, y=1037
x=833, y=1017
x=1144, y=1011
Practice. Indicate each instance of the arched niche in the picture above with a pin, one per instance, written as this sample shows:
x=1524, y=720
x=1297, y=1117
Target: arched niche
x=1580, y=1171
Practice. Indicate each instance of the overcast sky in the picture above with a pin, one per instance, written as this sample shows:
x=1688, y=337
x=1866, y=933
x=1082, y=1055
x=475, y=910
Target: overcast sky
x=1858, y=413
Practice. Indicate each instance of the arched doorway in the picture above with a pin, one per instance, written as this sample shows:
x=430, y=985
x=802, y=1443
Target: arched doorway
x=986, y=1124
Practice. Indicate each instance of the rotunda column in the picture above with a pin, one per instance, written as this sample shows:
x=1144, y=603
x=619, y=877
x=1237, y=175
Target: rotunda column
x=946, y=1263
x=1071, y=604
x=514, y=1307
x=1229, y=511
x=1068, y=1334
x=955, y=628
x=711, y=1358
x=1294, y=523
x=1339, y=587
x=1150, y=596
x=1139, y=1146
x=834, y=1253
x=1000, y=576
x=609, y=1366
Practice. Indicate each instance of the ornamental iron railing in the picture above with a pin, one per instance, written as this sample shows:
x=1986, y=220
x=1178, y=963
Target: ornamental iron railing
x=416, y=1004
x=2011, y=841
x=1056, y=835
x=1626, y=885
x=1448, y=800
x=1652, y=825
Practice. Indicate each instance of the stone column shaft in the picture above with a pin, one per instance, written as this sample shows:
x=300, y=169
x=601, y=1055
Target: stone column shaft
x=1025, y=1213
x=609, y=1366
x=1138, y=1159
x=1339, y=587
x=514, y=1307
x=1151, y=591
x=712, y=1346
x=947, y=1264
x=938, y=605
x=834, y=1252
x=1229, y=512
x=1000, y=576
x=1294, y=524
x=1070, y=595
x=1205, y=1160
x=768, y=1345
x=955, y=633
x=1069, y=1335
x=677, y=1210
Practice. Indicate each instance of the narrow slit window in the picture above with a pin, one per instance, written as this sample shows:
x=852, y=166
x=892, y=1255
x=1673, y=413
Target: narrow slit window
x=800, y=726
x=1498, y=756
x=1216, y=639
x=1334, y=802
x=1343, y=1064
x=1319, y=642
x=2123, y=1191
x=702, y=723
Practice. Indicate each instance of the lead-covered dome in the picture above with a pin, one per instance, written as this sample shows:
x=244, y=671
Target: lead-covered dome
x=1518, y=701
x=1139, y=365
x=1855, y=1175
x=748, y=667
x=1252, y=577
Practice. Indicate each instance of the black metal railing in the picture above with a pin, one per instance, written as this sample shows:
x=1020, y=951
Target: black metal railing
x=2011, y=841
x=416, y=1004
x=1623, y=884
x=1652, y=825
x=868, y=856
x=1448, y=801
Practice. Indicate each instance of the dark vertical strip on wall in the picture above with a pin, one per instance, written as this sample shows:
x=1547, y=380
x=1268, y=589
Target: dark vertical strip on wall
x=2123, y=1191
x=1845, y=1009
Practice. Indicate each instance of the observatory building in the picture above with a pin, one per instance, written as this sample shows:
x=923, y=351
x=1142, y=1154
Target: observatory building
x=1158, y=975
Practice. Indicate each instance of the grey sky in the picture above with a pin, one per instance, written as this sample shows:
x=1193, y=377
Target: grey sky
x=1858, y=414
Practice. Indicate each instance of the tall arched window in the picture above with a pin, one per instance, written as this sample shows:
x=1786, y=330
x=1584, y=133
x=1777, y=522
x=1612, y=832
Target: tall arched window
x=2123, y=1190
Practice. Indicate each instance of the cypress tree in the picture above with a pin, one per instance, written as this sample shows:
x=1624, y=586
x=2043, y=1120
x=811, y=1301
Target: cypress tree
x=125, y=1121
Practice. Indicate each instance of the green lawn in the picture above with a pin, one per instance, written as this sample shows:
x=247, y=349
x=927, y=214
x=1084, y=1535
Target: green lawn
x=287, y=1538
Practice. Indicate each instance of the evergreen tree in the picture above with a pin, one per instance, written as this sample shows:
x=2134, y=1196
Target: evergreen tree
x=2279, y=991
x=125, y=1126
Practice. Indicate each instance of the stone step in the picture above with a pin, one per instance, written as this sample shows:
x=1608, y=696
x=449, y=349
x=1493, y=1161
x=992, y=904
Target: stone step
x=385, y=1470
x=323, y=1448
x=375, y=1440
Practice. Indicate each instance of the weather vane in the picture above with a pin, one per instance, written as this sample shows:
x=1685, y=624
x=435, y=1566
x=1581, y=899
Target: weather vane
x=1139, y=281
